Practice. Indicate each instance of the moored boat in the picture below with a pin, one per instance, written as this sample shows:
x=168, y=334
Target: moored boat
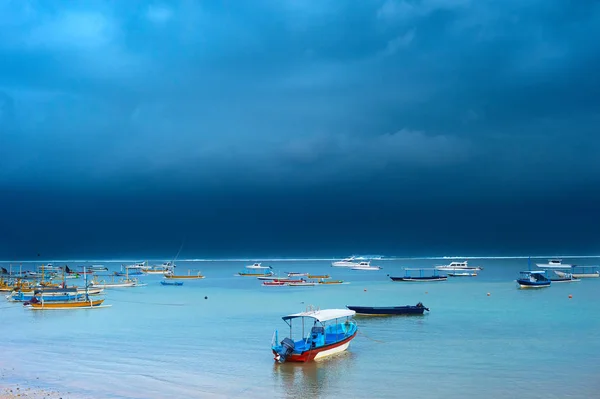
x=274, y=283
x=453, y=266
x=554, y=264
x=348, y=262
x=422, y=277
x=192, y=275
x=417, y=309
x=462, y=274
x=331, y=282
x=296, y=274
x=263, y=271
x=331, y=333
x=84, y=303
x=177, y=283
x=580, y=272
x=319, y=276
x=365, y=266
x=301, y=283
x=533, y=279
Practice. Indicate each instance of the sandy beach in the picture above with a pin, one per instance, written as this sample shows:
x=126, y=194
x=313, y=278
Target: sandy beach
x=24, y=392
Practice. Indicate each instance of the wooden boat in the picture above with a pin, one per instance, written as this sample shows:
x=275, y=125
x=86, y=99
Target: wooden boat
x=418, y=309
x=274, y=283
x=331, y=333
x=301, y=284
x=580, y=272
x=462, y=274
x=321, y=276
x=19, y=296
x=189, y=276
x=256, y=270
x=123, y=283
x=331, y=282
x=422, y=277
x=85, y=303
x=533, y=279
x=178, y=283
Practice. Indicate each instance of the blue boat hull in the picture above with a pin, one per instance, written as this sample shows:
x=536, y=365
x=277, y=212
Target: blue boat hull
x=171, y=282
x=526, y=283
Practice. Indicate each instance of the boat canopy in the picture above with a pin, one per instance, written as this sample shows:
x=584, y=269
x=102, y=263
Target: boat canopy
x=323, y=315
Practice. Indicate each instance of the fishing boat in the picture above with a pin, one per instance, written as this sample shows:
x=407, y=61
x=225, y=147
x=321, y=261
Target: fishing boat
x=417, y=309
x=263, y=271
x=565, y=278
x=98, y=268
x=274, y=283
x=348, y=262
x=533, y=279
x=178, y=283
x=39, y=303
x=192, y=275
x=296, y=274
x=422, y=277
x=19, y=296
x=301, y=283
x=331, y=282
x=125, y=283
x=320, y=276
x=580, y=272
x=162, y=269
x=331, y=331
x=554, y=264
x=462, y=274
x=365, y=266
x=453, y=266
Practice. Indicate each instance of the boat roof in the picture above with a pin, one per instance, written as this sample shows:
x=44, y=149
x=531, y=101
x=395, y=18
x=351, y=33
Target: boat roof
x=323, y=315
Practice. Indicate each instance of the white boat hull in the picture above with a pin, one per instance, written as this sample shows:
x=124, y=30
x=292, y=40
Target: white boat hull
x=332, y=351
x=366, y=268
x=579, y=275
x=344, y=264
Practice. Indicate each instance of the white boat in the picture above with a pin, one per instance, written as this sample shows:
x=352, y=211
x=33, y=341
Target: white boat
x=257, y=266
x=301, y=284
x=162, y=269
x=453, y=266
x=580, y=272
x=554, y=264
x=296, y=274
x=365, y=266
x=462, y=274
x=348, y=262
x=139, y=266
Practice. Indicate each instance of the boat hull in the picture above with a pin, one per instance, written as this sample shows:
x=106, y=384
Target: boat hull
x=319, y=353
x=419, y=279
x=171, y=277
x=579, y=275
x=388, y=311
x=533, y=284
x=66, y=305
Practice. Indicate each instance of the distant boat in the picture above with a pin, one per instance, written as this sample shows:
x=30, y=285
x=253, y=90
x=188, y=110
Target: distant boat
x=453, y=266
x=331, y=282
x=192, y=275
x=301, y=283
x=296, y=274
x=365, y=266
x=580, y=272
x=162, y=269
x=258, y=266
x=554, y=264
x=565, y=278
x=417, y=309
x=348, y=262
x=274, y=283
x=463, y=274
x=533, y=279
x=319, y=276
x=253, y=271
x=422, y=277
x=178, y=283
x=331, y=331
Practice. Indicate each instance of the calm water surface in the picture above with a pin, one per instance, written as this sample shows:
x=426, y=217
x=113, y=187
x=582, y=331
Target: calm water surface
x=171, y=342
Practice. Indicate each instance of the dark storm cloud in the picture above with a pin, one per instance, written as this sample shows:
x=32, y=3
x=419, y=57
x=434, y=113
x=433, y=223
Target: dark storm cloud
x=419, y=102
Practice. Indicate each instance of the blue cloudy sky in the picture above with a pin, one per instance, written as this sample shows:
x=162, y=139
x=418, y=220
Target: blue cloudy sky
x=294, y=127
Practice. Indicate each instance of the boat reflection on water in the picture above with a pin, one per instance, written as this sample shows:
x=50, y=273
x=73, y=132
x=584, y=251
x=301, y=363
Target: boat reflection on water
x=314, y=379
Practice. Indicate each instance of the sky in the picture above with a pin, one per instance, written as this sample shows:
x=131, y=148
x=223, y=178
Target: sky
x=299, y=128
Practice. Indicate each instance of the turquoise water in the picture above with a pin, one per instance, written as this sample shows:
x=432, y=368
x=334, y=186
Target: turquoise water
x=170, y=342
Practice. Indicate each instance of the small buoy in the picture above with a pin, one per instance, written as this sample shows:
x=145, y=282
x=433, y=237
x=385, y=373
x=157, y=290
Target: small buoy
x=205, y=297
x=570, y=296
x=488, y=294
x=365, y=290
x=426, y=292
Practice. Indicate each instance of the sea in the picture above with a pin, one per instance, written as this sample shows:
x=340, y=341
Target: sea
x=211, y=338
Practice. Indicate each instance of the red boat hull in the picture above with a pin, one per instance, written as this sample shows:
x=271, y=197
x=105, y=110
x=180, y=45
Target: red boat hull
x=311, y=354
